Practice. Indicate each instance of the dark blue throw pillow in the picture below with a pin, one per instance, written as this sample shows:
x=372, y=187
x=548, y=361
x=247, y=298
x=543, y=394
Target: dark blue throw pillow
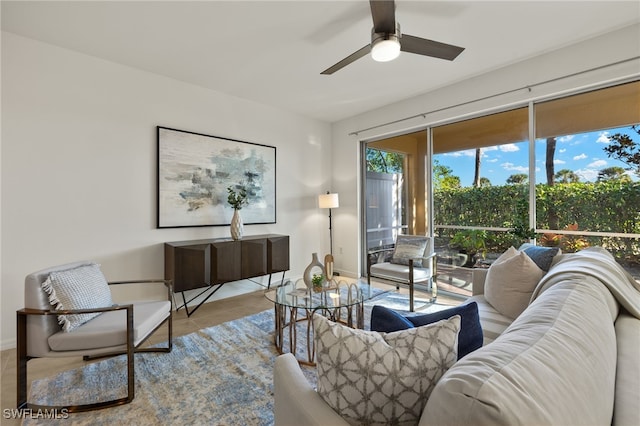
x=470, y=336
x=542, y=256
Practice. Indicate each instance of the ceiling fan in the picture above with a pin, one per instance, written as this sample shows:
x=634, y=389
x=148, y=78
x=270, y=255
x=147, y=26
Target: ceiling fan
x=387, y=41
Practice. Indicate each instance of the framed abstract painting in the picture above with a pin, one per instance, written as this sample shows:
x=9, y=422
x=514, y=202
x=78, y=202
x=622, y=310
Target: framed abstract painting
x=195, y=170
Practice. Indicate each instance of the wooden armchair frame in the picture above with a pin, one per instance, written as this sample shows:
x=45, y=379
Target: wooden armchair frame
x=410, y=276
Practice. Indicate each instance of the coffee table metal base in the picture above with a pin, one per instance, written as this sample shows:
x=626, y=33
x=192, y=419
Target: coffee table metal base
x=288, y=321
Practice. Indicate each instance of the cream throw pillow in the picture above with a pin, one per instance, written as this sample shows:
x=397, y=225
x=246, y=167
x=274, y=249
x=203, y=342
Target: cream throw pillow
x=510, y=282
x=83, y=287
x=382, y=378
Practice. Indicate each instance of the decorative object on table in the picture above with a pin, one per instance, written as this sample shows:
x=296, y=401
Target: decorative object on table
x=237, y=227
x=315, y=267
x=194, y=171
x=329, y=201
x=318, y=282
x=237, y=197
x=328, y=267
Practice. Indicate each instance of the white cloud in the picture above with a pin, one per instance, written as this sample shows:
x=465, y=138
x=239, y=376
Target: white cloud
x=509, y=147
x=597, y=163
x=493, y=160
x=562, y=151
x=580, y=157
x=513, y=168
x=587, y=174
x=566, y=138
x=603, y=137
x=559, y=162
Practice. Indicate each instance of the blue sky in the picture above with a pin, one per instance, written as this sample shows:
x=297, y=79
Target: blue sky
x=581, y=153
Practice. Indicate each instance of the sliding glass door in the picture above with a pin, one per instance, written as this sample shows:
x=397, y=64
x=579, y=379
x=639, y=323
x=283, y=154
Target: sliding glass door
x=563, y=172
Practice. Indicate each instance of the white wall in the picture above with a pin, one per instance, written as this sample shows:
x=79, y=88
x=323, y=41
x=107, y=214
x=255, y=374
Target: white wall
x=612, y=48
x=79, y=166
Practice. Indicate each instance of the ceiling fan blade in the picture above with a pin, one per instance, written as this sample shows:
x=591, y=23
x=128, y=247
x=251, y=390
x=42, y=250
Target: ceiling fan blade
x=383, y=13
x=422, y=46
x=349, y=59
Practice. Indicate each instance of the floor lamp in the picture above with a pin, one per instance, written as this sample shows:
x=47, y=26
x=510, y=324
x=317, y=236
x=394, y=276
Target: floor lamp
x=329, y=201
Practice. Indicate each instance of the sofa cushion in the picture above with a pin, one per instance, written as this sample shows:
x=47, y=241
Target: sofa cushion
x=554, y=365
x=395, y=272
x=409, y=247
x=382, y=378
x=542, y=256
x=83, y=287
x=110, y=328
x=470, y=338
x=510, y=282
x=493, y=322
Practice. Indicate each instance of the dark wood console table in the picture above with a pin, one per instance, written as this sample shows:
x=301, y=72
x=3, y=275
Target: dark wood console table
x=210, y=263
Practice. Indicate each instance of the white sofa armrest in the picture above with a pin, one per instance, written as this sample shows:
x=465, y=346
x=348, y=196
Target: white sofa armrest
x=296, y=402
x=627, y=391
x=479, y=275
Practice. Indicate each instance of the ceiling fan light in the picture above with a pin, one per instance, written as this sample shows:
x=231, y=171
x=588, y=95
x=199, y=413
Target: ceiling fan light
x=385, y=50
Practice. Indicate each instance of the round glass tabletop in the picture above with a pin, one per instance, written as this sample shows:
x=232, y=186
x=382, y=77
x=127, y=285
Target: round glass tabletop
x=336, y=294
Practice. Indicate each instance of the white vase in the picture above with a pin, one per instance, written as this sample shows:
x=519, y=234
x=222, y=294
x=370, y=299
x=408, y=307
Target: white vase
x=237, y=228
x=315, y=267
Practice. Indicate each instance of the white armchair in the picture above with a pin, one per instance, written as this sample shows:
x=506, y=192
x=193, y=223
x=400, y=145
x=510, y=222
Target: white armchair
x=68, y=312
x=413, y=262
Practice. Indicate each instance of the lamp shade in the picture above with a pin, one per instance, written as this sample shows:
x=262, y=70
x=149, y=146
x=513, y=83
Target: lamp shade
x=328, y=201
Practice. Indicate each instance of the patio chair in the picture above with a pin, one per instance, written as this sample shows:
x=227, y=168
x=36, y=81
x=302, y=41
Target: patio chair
x=413, y=262
x=69, y=312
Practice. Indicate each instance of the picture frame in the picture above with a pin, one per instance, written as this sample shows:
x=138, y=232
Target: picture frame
x=195, y=170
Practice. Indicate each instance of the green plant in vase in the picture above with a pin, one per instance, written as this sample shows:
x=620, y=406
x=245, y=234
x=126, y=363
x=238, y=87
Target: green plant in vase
x=472, y=241
x=237, y=198
x=317, y=281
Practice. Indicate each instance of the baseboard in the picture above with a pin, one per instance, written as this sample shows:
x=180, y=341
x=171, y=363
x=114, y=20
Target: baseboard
x=7, y=344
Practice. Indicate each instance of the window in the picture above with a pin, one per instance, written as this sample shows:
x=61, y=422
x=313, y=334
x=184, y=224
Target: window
x=576, y=184
x=588, y=172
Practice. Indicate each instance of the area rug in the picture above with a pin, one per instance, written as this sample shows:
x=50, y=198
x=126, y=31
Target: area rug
x=221, y=375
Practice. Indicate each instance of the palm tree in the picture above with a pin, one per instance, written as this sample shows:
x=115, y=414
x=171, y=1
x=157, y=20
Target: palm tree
x=552, y=215
x=551, y=151
x=518, y=179
x=476, y=178
x=613, y=174
x=567, y=176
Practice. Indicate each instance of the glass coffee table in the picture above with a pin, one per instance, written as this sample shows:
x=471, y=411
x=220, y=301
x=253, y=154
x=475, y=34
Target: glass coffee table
x=295, y=305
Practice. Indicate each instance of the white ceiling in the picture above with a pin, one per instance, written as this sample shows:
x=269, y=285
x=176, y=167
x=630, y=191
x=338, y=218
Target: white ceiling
x=273, y=52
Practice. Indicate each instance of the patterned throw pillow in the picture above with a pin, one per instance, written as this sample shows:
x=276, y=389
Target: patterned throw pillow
x=409, y=247
x=470, y=337
x=382, y=378
x=83, y=287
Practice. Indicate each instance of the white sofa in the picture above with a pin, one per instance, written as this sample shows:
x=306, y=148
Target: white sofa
x=571, y=358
